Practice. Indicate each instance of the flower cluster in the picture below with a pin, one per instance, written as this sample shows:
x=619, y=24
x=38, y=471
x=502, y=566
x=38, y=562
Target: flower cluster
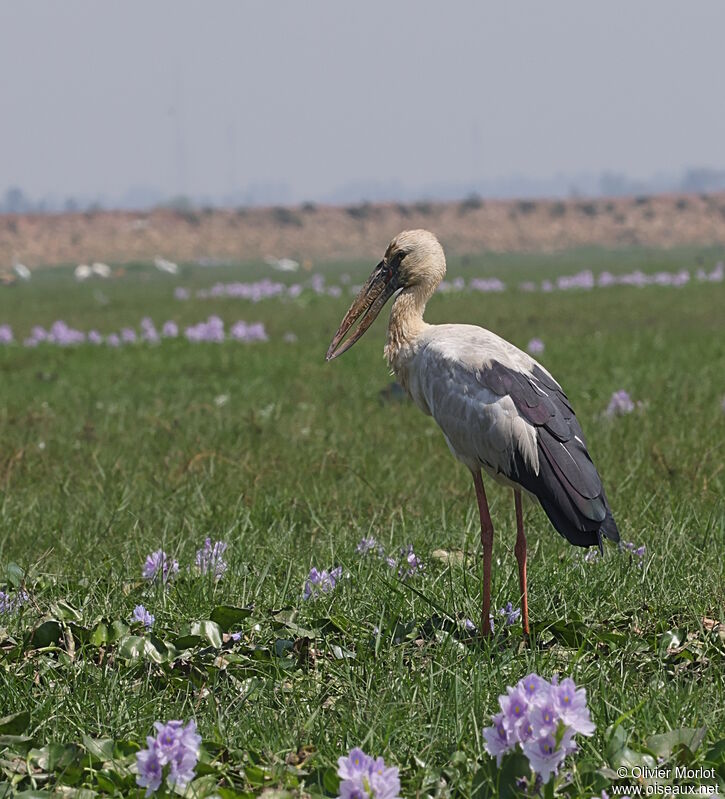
x=321, y=582
x=510, y=613
x=407, y=562
x=142, y=615
x=636, y=551
x=363, y=777
x=172, y=754
x=9, y=603
x=159, y=565
x=542, y=718
x=63, y=335
x=210, y=558
x=620, y=404
x=410, y=563
x=535, y=346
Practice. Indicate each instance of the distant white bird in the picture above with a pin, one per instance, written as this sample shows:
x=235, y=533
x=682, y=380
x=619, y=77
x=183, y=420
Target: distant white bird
x=282, y=264
x=100, y=269
x=22, y=271
x=498, y=408
x=82, y=272
x=166, y=266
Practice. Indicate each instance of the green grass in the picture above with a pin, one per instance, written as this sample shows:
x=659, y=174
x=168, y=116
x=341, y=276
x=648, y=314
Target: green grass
x=106, y=455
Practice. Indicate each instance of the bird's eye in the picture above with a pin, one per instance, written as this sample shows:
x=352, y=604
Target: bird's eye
x=398, y=257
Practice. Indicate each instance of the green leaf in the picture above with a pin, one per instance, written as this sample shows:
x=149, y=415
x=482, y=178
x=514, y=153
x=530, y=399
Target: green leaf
x=14, y=574
x=117, y=631
x=187, y=641
x=513, y=768
x=47, y=634
x=65, y=611
x=100, y=635
x=209, y=630
x=15, y=723
x=228, y=616
x=667, y=743
x=102, y=748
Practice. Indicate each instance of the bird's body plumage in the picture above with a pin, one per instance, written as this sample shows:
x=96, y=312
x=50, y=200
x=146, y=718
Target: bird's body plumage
x=502, y=411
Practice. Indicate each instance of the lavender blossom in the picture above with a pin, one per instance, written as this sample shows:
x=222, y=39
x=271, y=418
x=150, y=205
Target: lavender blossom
x=541, y=718
x=172, y=754
x=170, y=329
x=142, y=615
x=366, y=778
x=638, y=552
x=619, y=404
x=6, y=334
x=535, y=346
x=159, y=564
x=411, y=564
x=210, y=558
x=9, y=603
x=321, y=582
x=368, y=545
x=511, y=613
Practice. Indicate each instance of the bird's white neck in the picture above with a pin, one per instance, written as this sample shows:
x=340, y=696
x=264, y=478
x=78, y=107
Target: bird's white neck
x=406, y=322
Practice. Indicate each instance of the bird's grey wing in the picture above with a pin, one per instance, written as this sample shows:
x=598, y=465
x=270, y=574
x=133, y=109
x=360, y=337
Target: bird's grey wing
x=567, y=483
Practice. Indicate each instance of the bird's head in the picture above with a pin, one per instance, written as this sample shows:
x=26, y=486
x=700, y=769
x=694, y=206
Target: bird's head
x=414, y=258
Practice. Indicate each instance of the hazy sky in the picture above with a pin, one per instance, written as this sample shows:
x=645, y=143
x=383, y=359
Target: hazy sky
x=209, y=97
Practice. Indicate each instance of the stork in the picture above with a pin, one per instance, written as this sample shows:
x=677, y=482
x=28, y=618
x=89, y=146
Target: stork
x=498, y=408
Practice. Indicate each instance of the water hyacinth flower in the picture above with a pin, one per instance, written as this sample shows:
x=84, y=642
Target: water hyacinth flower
x=159, y=564
x=535, y=346
x=368, y=545
x=210, y=558
x=170, y=329
x=541, y=718
x=410, y=564
x=637, y=552
x=363, y=777
x=619, y=404
x=6, y=334
x=510, y=613
x=142, y=615
x=321, y=582
x=9, y=603
x=172, y=754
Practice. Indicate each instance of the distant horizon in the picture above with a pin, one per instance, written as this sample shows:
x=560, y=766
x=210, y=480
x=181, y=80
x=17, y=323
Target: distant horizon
x=245, y=103
x=516, y=187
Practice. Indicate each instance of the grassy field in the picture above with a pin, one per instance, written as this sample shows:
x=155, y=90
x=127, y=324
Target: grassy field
x=109, y=454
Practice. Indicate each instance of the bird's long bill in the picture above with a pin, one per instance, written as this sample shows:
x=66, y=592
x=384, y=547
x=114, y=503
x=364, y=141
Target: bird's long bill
x=380, y=287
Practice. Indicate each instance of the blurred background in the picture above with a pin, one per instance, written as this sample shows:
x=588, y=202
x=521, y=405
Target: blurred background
x=176, y=107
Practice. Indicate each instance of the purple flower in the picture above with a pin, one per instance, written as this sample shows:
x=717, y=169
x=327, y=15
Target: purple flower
x=367, y=545
x=159, y=564
x=512, y=614
x=128, y=335
x=94, y=337
x=321, y=582
x=211, y=558
x=113, y=340
x=366, y=778
x=541, y=718
x=535, y=346
x=571, y=703
x=619, y=404
x=6, y=334
x=170, y=329
x=497, y=738
x=150, y=770
x=9, y=603
x=544, y=755
x=636, y=551
x=180, y=293
x=411, y=564
x=142, y=615
x=174, y=752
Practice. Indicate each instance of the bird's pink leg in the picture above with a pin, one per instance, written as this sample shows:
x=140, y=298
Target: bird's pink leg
x=487, y=545
x=520, y=551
